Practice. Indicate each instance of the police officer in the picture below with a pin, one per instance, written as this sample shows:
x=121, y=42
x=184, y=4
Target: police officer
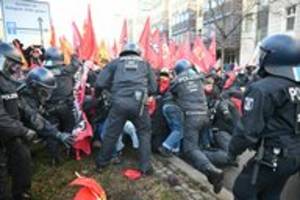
x=129, y=79
x=15, y=157
x=61, y=104
x=34, y=94
x=189, y=95
x=270, y=122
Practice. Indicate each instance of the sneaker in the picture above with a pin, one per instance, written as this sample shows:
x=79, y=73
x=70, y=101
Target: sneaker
x=164, y=152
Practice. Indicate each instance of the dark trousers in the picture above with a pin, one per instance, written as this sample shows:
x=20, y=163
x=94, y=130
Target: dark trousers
x=118, y=115
x=62, y=116
x=193, y=124
x=15, y=161
x=269, y=183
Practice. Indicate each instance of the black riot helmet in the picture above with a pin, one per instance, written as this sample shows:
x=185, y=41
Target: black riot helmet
x=11, y=62
x=9, y=52
x=131, y=49
x=280, y=56
x=42, y=82
x=53, y=57
x=182, y=65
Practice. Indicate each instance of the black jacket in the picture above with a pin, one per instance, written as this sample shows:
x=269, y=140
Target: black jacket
x=10, y=125
x=269, y=112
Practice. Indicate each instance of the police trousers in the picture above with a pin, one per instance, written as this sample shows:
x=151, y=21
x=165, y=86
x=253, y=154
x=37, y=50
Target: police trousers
x=117, y=117
x=269, y=184
x=193, y=124
x=15, y=161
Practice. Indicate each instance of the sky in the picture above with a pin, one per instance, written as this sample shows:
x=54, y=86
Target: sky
x=107, y=16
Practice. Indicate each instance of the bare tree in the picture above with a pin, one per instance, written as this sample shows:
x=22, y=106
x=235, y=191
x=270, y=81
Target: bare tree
x=227, y=16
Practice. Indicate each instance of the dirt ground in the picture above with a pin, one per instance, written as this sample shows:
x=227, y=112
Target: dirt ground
x=51, y=183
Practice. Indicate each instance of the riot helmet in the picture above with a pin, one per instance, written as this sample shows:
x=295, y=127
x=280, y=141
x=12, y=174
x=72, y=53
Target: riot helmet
x=53, y=57
x=131, y=49
x=11, y=61
x=280, y=56
x=42, y=82
x=182, y=65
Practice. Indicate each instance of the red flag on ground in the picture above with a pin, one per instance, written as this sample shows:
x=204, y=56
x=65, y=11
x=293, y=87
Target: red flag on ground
x=201, y=56
x=124, y=35
x=77, y=39
x=144, y=38
x=88, y=45
x=213, y=49
x=52, y=36
x=90, y=190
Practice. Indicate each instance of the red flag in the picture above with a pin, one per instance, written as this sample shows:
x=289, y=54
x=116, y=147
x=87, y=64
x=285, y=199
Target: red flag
x=88, y=46
x=83, y=130
x=154, y=50
x=213, y=49
x=166, y=57
x=77, y=39
x=144, y=38
x=52, y=36
x=172, y=49
x=114, y=50
x=201, y=56
x=90, y=190
x=124, y=35
x=184, y=51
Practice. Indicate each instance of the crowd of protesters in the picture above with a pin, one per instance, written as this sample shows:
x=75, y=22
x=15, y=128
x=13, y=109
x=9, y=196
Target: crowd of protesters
x=176, y=111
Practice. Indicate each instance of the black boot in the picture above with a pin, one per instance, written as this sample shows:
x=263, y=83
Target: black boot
x=215, y=176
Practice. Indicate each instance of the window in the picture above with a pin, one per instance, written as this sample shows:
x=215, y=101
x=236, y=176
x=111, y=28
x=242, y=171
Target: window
x=290, y=18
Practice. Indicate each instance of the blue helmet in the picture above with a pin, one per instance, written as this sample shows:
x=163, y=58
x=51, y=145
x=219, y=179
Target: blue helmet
x=280, y=56
x=41, y=77
x=182, y=65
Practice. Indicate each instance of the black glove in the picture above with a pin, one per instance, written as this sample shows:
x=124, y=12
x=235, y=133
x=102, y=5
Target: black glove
x=66, y=138
x=30, y=135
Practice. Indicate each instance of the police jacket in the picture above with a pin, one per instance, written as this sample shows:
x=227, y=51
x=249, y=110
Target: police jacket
x=269, y=112
x=65, y=83
x=188, y=92
x=10, y=126
x=32, y=114
x=125, y=75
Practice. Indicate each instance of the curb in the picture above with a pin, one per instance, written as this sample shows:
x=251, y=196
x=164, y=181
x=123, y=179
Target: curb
x=197, y=176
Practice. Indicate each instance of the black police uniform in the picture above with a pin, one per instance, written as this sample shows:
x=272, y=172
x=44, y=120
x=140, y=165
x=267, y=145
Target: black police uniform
x=271, y=122
x=269, y=113
x=189, y=95
x=128, y=78
x=14, y=155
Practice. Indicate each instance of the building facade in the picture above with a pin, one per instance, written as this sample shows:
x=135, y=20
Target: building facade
x=224, y=18
x=266, y=18
x=185, y=19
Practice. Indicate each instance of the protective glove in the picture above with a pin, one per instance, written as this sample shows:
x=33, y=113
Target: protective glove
x=30, y=135
x=66, y=138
